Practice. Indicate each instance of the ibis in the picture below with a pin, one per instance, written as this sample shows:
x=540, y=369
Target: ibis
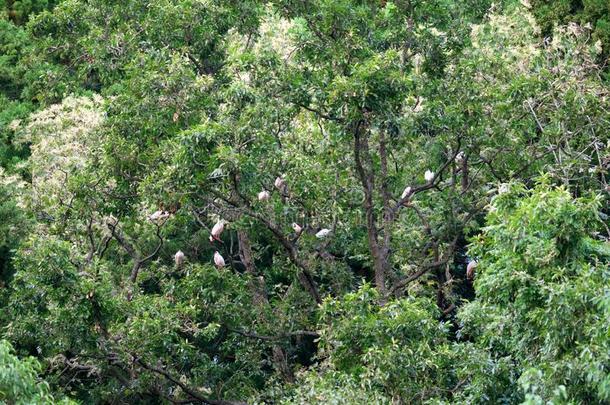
x=179, y=258
x=279, y=183
x=219, y=261
x=405, y=193
x=217, y=229
x=264, y=195
x=323, y=233
x=158, y=215
x=459, y=158
x=470, y=269
x=297, y=228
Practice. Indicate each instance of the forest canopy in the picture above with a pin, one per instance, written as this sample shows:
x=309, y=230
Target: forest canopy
x=294, y=202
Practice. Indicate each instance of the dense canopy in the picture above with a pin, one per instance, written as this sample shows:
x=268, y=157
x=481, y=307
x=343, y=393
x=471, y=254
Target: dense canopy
x=327, y=201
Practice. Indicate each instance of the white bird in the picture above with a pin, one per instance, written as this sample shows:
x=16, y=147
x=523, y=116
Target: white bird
x=111, y=220
x=219, y=261
x=503, y=188
x=322, y=233
x=297, y=228
x=179, y=258
x=217, y=229
x=264, y=195
x=406, y=192
x=279, y=183
x=429, y=176
x=459, y=158
x=158, y=215
x=470, y=269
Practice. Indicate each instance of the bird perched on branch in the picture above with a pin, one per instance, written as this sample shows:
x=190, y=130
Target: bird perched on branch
x=217, y=230
x=111, y=220
x=179, y=258
x=219, y=261
x=323, y=233
x=297, y=228
x=264, y=195
x=472, y=265
x=158, y=216
x=429, y=176
x=280, y=183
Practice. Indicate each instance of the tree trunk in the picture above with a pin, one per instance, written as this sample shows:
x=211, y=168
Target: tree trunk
x=260, y=300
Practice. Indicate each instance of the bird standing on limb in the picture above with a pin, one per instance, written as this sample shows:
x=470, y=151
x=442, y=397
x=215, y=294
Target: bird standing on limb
x=217, y=230
x=264, y=195
x=179, y=258
x=323, y=233
x=280, y=183
x=472, y=265
x=297, y=228
x=219, y=261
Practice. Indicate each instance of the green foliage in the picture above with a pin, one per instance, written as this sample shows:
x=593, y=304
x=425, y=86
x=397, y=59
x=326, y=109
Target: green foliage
x=596, y=13
x=128, y=130
x=19, y=381
x=542, y=292
x=397, y=352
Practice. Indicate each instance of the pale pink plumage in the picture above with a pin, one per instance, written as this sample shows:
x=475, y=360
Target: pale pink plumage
x=219, y=261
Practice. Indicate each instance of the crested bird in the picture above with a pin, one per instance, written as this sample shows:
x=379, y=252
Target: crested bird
x=429, y=176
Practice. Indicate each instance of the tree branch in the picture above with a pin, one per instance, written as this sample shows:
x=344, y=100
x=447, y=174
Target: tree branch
x=190, y=391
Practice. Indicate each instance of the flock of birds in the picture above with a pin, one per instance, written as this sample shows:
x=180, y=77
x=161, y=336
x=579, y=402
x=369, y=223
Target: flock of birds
x=265, y=195
x=219, y=227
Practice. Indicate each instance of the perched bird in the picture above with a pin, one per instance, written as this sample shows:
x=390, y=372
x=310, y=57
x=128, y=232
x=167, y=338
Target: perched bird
x=470, y=269
x=217, y=230
x=406, y=192
x=503, y=188
x=322, y=233
x=429, y=176
x=279, y=183
x=179, y=258
x=111, y=220
x=219, y=261
x=297, y=228
x=264, y=195
x=158, y=215
x=459, y=158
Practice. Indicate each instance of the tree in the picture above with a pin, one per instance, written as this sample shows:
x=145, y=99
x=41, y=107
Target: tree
x=351, y=148
x=19, y=381
x=541, y=268
x=594, y=13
